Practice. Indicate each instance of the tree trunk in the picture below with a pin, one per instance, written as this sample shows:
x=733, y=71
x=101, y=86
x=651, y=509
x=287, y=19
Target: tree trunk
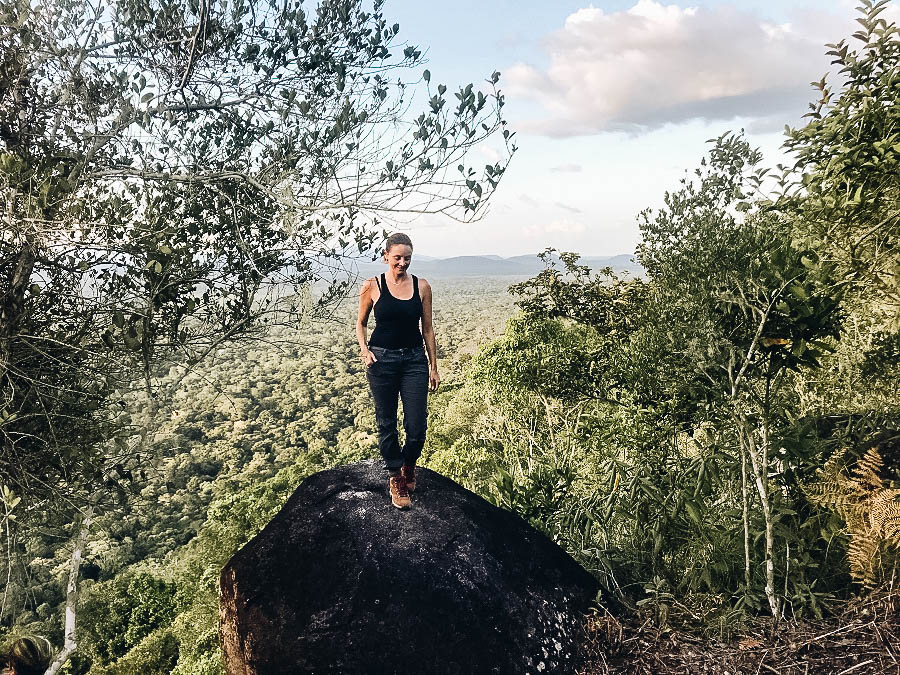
x=70, y=645
x=760, y=461
x=745, y=504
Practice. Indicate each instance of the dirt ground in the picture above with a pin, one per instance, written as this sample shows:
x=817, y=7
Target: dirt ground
x=861, y=640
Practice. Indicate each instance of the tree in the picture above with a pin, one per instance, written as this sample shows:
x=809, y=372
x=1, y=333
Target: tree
x=847, y=167
x=757, y=306
x=843, y=200
x=175, y=174
x=675, y=388
x=703, y=398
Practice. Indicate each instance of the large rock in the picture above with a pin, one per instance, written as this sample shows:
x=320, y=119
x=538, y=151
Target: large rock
x=340, y=581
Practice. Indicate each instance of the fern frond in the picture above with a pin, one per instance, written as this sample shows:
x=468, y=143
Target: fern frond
x=869, y=508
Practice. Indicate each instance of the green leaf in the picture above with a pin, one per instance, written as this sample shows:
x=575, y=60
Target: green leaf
x=798, y=291
x=426, y=75
x=693, y=512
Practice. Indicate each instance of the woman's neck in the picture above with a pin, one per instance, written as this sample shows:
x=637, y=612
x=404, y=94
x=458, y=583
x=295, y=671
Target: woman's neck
x=397, y=278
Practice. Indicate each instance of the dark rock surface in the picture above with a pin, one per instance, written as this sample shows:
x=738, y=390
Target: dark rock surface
x=342, y=582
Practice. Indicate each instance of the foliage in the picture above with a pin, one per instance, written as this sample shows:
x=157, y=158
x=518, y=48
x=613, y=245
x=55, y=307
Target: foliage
x=870, y=510
x=848, y=166
x=755, y=300
x=120, y=613
x=156, y=654
x=662, y=428
x=175, y=175
x=247, y=425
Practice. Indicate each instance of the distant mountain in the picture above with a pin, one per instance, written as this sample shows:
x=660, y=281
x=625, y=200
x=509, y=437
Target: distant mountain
x=623, y=261
x=494, y=266
x=474, y=265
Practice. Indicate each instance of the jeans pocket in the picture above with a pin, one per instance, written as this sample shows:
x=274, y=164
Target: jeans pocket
x=377, y=354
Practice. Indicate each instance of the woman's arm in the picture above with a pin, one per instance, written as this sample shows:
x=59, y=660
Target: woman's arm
x=362, y=322
x=434, y=379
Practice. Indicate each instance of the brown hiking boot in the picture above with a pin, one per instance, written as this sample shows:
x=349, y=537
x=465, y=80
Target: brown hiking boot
x=399, y=491
x=409, y=472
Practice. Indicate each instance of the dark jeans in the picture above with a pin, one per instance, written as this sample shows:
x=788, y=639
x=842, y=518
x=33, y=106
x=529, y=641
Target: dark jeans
x=403, y=373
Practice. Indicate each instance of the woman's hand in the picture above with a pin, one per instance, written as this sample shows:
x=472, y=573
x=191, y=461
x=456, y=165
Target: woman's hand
x=368, y=358
x=434, y=379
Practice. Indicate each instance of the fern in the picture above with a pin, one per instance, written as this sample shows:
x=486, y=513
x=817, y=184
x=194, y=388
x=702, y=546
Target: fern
x=869, y=508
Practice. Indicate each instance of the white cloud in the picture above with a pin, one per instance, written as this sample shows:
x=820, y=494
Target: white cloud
x=655, y=64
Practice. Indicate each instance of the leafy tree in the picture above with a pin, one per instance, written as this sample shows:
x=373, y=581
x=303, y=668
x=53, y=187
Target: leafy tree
x=121, y=613
x=173, y=173
x=632, y=412
x=848, y=166
x=562, y=307
x=843, y=201
x=757, y=306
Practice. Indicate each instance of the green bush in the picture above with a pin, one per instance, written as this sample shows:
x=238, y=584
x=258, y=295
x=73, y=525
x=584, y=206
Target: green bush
x=155, y=654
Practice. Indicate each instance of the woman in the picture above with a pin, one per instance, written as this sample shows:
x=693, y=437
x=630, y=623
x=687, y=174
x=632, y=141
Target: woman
x=395, y=361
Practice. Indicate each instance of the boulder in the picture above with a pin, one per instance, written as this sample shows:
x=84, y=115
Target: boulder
x=340, y=581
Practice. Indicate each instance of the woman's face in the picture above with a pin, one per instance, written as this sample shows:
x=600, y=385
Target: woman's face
x=398, y=258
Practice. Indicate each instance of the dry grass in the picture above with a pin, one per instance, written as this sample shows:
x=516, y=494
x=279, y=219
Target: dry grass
x=862, y=639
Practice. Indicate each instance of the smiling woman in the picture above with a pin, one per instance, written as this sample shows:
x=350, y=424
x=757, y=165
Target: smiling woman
x=396, y=363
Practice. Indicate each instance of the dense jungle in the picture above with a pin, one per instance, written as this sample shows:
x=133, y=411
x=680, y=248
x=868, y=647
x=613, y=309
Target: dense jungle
x=715, y=438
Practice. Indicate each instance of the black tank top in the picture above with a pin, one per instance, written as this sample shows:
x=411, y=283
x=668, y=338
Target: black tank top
x=397, y=321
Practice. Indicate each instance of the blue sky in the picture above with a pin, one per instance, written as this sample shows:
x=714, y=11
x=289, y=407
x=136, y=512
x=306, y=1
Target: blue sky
x=613, y=101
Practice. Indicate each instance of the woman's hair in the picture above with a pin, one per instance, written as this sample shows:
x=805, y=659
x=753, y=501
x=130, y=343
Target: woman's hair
x=28, y=655
x=398, y=238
